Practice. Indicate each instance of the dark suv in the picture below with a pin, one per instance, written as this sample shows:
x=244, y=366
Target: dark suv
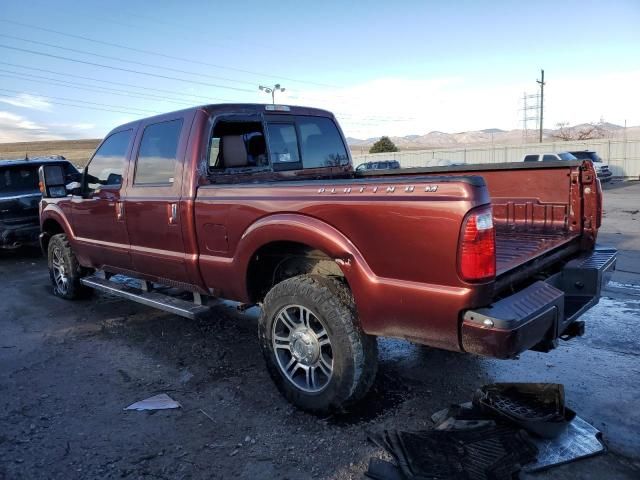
x=380, y=165
x=602, y=169
x=19, y=199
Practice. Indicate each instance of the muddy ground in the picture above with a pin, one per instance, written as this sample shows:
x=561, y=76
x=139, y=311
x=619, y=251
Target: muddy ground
x=67, y=370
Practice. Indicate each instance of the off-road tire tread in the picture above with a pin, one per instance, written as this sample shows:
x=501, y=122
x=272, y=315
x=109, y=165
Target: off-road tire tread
x=76, y=289
x=333, y=293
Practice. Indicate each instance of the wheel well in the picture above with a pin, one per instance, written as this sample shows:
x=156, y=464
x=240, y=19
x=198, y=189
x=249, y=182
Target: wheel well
x=277, y=261
x=51, y=228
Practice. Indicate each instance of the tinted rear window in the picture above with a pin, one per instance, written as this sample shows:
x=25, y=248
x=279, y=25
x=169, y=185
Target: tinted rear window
x=19, y=180
x=321, y=143
x=283, y=143
x=593, y=156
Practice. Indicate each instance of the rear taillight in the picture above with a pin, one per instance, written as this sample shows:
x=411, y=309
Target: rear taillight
x=477, y=251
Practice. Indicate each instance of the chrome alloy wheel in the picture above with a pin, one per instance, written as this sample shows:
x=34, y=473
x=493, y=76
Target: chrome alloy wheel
x=302, y=348
x=59, y=273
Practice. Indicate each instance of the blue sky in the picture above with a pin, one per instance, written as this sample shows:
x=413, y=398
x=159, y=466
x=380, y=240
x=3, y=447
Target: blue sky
x=384, y=67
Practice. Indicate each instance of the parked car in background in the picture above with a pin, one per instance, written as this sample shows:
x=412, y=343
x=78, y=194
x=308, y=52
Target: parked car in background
x=602, y=169
x=19, y=199
x=549, y=157
x=380, y=165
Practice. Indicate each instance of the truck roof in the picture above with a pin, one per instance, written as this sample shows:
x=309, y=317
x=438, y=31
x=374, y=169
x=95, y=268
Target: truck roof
x=244, y=108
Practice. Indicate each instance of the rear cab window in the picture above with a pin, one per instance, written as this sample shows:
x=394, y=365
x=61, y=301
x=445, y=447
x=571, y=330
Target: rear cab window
x=531, y=158
x=283, y=144
x=252, y=143
x=320, y=143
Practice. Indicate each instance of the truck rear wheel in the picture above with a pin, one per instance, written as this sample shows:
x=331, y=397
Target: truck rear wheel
x=315, y=350
x=64, y=270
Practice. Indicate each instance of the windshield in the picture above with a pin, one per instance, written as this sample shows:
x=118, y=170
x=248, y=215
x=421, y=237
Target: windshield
x=567, y=156
x=19, y=180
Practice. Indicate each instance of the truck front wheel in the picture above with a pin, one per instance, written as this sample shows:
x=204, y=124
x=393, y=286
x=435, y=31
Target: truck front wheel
x=64, y=269
x=315, y=350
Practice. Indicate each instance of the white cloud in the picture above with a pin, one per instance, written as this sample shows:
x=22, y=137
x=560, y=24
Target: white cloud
x=397, y=106
x=72, y=126
x=16, y=128
x=26, y=100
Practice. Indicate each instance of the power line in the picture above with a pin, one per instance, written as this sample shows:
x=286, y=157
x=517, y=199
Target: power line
x=164, y=55
x=92, y=88
x=140, y=110
x=66, y=75
x=82, y=106
x=134, y=62
x=111, y=67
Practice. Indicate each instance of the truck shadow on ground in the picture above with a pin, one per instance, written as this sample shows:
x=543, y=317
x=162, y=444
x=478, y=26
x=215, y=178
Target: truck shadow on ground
x=225, y=346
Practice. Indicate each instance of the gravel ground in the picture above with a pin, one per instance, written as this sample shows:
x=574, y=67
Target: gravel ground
x=67, y=370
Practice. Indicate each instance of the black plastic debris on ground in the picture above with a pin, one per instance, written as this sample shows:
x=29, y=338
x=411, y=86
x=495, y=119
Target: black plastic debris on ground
x=484, y=451
x=537, y=407
x=507, y=427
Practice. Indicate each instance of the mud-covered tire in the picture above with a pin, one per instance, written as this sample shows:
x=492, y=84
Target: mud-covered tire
x=354, y=354
x=62, y=262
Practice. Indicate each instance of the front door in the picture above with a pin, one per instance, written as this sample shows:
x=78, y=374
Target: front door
x=153, y=203
x=98, y=215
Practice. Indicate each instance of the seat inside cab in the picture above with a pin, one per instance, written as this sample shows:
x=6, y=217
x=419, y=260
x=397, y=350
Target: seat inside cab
x=237, y=145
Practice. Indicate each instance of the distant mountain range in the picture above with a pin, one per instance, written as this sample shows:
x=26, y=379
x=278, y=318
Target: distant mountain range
x=438, y=139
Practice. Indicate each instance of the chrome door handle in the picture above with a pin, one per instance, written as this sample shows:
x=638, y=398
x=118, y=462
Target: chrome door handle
x=173, y=213
x=119, y=211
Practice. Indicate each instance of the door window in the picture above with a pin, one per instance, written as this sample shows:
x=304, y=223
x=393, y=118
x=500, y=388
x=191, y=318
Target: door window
x=156, y=162
x=531, y=158
x=549, y=158
x=107, y=165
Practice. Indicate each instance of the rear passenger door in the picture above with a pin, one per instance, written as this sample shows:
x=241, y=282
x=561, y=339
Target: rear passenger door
x=153, y=200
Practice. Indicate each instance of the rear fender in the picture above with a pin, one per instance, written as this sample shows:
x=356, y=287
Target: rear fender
x=308, y=231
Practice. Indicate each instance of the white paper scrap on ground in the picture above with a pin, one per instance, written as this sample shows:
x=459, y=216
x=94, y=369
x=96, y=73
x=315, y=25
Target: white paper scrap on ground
x=157, y=402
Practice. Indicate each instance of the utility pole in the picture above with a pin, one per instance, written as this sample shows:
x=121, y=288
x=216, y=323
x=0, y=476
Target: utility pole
x=530, y=113
x=541, y=82
x=272, y=91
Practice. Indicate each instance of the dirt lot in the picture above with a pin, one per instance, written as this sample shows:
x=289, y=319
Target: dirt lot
x=67, y=370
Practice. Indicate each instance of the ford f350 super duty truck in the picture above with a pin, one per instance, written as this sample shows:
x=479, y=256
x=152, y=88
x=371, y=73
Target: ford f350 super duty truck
x=260, y=205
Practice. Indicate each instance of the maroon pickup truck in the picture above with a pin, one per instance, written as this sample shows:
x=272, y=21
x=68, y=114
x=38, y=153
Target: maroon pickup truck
x=260, y=205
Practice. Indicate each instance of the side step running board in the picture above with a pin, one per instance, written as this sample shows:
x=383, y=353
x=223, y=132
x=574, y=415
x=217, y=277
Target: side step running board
x=157, y=300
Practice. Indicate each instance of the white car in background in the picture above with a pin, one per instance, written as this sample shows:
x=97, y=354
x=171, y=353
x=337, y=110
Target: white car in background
x=602, y=169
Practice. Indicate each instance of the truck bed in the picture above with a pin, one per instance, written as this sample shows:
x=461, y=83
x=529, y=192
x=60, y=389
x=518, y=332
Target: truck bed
x=515, y=248
x=535, y=207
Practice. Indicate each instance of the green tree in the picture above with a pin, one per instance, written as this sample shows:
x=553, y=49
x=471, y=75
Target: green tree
x=383, y=145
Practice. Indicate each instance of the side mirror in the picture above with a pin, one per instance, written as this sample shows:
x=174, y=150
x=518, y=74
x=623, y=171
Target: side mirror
x=52, y=181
